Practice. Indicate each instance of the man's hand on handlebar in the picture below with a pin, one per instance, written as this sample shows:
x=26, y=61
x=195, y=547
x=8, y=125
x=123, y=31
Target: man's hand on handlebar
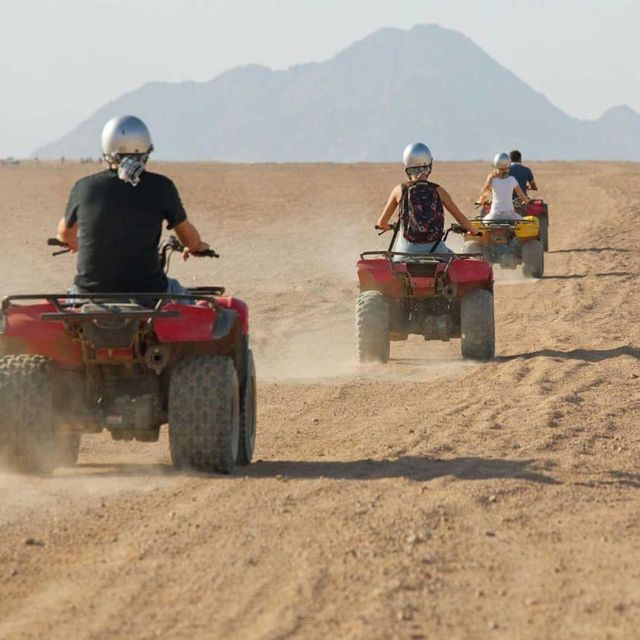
x=202, y=250
x=71, y=245
x=67, y=248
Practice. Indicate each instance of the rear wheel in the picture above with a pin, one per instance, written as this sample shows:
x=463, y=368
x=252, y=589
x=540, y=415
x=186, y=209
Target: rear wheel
x=477, y=325
x=544, y=233
x=28, y=442
x=204, y=414
x=533, y=259
x=248, y=414
x=372, y=327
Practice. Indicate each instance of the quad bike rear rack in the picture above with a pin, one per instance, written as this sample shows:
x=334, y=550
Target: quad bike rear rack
x=423, y=259
x=63, y=301
x=439, y=257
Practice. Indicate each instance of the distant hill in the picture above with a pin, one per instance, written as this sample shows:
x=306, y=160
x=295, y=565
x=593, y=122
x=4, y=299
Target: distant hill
x=364, y=104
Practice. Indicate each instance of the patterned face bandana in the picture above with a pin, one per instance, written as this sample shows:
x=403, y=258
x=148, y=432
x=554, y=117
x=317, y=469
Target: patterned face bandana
x=416, y=172
x=130, y=169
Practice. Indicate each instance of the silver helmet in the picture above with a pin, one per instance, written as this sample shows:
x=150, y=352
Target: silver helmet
x=502, y=161
x=417, y=155
x=125, y=136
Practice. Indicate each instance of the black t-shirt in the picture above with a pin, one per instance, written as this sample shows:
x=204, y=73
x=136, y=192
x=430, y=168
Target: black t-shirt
x=120, y=228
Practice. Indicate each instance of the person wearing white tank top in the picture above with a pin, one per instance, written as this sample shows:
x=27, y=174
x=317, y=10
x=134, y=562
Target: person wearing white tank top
x=502, y=186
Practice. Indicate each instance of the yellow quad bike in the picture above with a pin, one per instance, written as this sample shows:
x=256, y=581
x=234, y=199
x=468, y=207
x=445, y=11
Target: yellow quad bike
x=509, y=243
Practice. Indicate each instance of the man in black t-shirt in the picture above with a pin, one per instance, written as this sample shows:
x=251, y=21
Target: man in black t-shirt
x=114, y=218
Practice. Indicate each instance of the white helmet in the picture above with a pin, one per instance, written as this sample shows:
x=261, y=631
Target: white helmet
x=502, y=161
x=125, y=135
x=417, y=155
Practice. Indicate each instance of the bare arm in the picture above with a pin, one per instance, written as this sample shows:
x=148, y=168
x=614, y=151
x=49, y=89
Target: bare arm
x=68, y=235
x=390, y=208
x=486, y=189
x=521, y=194
x=451, y=207
x=190, y=238
x=532, y=185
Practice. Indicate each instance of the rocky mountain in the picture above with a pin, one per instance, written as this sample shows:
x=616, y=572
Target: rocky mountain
x=364, y=104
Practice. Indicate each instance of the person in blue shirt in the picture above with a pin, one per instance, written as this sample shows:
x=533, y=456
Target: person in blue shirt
x=522, y=174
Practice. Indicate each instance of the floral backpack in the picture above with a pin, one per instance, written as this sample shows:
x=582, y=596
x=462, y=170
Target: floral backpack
x=421, y=212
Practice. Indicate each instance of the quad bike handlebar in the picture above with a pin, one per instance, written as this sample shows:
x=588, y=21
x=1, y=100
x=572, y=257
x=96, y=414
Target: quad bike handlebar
x=170, y=245
x=54, y=242
x=173, y=244
x=392, y=227
x=454, y=228
x=395, y=227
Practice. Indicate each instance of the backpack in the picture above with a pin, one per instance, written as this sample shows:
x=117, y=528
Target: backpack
x=421, y=212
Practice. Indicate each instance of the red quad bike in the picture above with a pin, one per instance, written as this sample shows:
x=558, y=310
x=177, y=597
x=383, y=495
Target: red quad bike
x=539, y=209
x=128, y=363
x=438, y=296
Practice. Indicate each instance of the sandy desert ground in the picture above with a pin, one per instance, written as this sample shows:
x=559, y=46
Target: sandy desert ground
x=431, y=498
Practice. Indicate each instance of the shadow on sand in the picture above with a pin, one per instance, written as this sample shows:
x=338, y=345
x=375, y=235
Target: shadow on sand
x=592, y=250
x=616, y=478
x=576, y=276
x=626, y=479
x=587, y=355
x=417, y=468
x=122, y=470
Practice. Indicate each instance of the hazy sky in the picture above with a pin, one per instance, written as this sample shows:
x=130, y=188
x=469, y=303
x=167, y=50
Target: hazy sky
x=62, y=59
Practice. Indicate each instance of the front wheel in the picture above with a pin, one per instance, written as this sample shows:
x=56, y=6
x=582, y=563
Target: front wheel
x=533, y=259
x=373, y=327
x=204, y=414
x=477, y=325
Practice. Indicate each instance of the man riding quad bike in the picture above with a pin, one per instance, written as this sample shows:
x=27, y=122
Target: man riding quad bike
x=127, y=349
x=535, y=207
x=418, y=285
